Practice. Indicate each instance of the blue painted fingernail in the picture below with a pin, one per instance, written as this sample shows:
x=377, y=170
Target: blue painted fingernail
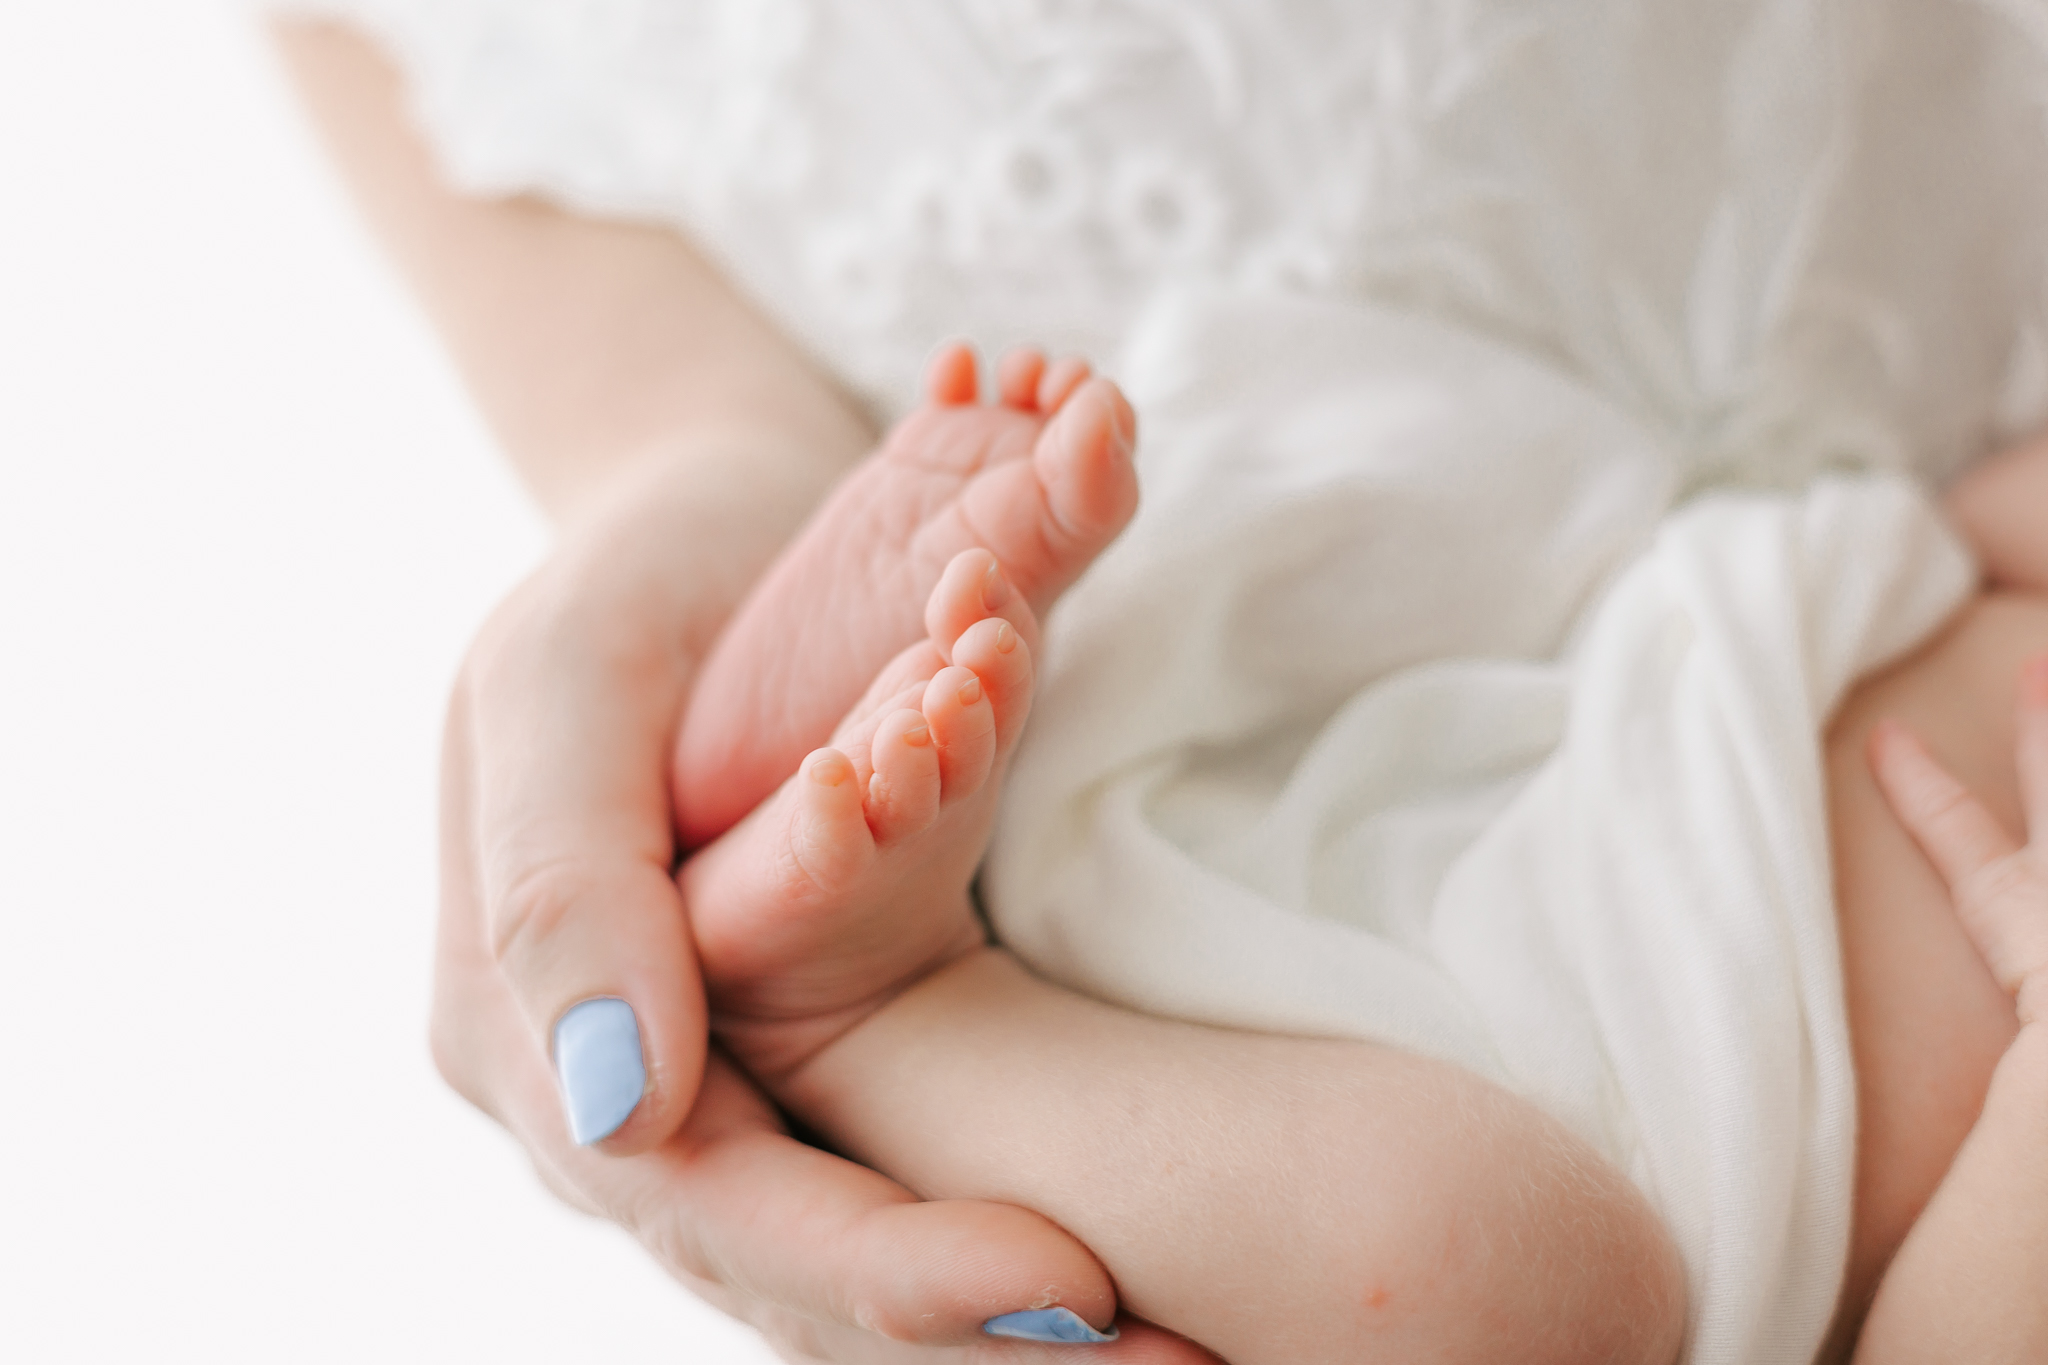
x=1045, y=1324
x=597, y=1057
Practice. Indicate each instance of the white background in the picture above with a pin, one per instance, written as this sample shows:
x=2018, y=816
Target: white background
x=246, y=524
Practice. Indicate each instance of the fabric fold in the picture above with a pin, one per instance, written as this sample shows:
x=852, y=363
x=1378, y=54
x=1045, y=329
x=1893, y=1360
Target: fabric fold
x=1412, y=708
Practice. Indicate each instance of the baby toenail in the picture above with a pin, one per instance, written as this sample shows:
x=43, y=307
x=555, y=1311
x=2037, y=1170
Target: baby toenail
x=918, y=736
x=970, y=692
x=1006, y=638
x=994, y=591
x=831, y=770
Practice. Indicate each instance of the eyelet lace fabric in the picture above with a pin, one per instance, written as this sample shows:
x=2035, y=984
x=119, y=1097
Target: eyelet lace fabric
x=1793, y=234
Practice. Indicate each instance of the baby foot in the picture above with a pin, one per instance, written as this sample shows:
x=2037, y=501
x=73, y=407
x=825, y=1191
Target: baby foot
x=851, y=882
x=1042, y=478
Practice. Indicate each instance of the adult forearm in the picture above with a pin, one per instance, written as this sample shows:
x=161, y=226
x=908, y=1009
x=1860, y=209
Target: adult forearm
x=1277, y=1199
x=586, y=344
x=1971, y=1280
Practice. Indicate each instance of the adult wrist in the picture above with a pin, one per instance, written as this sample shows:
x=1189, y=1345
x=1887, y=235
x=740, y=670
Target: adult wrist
x=726, y=463
x=678, y=532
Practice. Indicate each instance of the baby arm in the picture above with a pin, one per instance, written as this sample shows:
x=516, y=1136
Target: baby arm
x=1276, y=1199
x=1966, y=1283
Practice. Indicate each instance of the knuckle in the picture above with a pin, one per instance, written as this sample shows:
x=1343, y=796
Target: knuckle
x=794, y=1339
x=558, y=1184
x=667, y=1240
x=888, y=1321
x=530, y=906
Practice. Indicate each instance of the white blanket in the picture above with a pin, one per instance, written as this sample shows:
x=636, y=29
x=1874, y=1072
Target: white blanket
x=1409, y=709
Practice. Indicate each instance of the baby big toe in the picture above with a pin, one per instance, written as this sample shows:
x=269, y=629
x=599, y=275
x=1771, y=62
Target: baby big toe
x=998, y=655
x=1083, y=459
x=957, y=708
x=903, y=793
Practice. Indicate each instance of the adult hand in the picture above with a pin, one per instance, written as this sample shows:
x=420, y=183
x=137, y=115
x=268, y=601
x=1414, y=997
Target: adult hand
x=557, y=888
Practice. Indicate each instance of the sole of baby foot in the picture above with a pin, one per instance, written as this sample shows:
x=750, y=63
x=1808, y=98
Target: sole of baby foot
x=851, y=882
x=1042, y=479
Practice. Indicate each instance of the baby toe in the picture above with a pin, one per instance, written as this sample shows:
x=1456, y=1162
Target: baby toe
x=903, y=793
x=829, y=842
x=899, y=684
x=997, y=654
x=971, y=588
x=1018, y=376
x=950, y=380
x=1059, y=381
x=963, y=726
x=1083, y=460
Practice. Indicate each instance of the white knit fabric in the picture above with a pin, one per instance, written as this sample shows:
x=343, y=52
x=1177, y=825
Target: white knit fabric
x=1450, y=690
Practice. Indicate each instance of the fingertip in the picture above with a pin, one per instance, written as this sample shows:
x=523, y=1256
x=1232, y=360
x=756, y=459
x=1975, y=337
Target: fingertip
x=624, y=1088
x=1058, y=1325
x=599, y=957
x=963, y=1263
x=601, y=1066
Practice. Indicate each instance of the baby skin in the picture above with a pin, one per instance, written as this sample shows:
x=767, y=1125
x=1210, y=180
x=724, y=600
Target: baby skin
x=1275, y=1199
x=851, y=881
x=1041, y=479
x=851, y=878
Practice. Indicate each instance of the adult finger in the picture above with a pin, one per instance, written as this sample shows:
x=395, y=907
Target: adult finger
x=815, y=1249
x=801, y=1243
x=801, y=1341
x=733, y=1198
x=565, y=734
x=811, y=1248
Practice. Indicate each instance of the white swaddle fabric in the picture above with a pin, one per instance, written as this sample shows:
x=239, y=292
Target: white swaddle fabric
x=1331, y=742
